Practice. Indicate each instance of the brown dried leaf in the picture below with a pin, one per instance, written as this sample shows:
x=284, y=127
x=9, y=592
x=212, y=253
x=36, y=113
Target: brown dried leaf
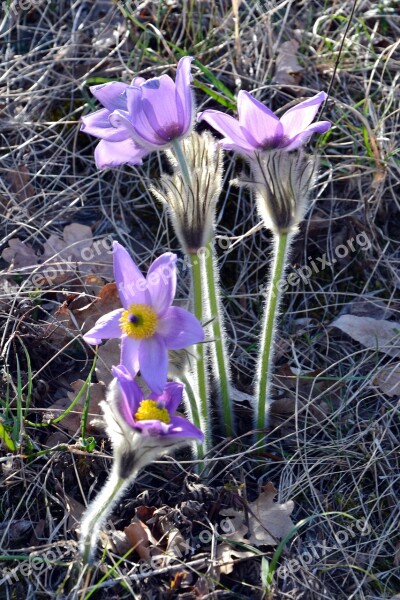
x=226, y=555
x=375, y=334
x=108, y=300
x=107, y=355
x=268, y=521
x=19, y=254
x=141, y=539
x=20, y=183
x=388, y=380
x=287, y=69
x=76, y=510
x=72, y=421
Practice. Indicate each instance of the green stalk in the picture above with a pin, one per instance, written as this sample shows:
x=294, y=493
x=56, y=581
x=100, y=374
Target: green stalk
x=92, y=523
x=198, y=304
x=180, y=157
x=194, y=412
x=222, y=371
x=268, y=331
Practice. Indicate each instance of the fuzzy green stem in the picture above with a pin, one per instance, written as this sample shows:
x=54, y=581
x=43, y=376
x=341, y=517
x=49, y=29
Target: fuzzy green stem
x=194, y=412
x=268, y=331
x=198, y=307
x=222, y=368
x=180, y=157
x=103, y=504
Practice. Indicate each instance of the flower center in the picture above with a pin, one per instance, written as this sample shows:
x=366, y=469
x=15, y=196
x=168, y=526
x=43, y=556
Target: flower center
x=139, y=321
x=149, y=410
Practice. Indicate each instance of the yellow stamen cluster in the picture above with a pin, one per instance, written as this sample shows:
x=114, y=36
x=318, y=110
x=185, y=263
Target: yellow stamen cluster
x=139, y=321
x=149, y=410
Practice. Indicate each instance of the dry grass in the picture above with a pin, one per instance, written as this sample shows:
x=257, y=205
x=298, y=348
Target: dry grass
x=339, y=450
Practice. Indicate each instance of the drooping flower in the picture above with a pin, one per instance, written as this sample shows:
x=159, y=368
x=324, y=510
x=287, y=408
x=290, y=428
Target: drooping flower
x=192, y=207
x=153, y=414
x=141, y=429
x=147, y=324
x=258, y=128
x=138, y=118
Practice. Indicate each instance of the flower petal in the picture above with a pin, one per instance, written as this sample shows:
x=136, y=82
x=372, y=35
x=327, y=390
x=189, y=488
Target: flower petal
x=98, y=124
x=143, y=132
x=130, y=354
x=152, y=427
x=184, y=94
x=301, y=138
x=153, y=359
x=298, y=118
x=159, y=105
x=130, y=282
x=263, y=129
x=171, y=396
x=181, y=427
x=106, y=327
x=227, y=126
x=114, y=154
x=179, y=329
x=161, y=282
x=131, y=394
x=111, y=94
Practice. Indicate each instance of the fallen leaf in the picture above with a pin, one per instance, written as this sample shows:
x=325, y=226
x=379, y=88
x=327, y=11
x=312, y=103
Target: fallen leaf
x=374, y=334
x=107, y=355
x=20, y=183
x=107, y=300
x=287, y=68
x=19, y=254
x=388, y=380
x=72, y=421
x=226, y=555
x=75, y=510
x=141, y=539
x=268, y=521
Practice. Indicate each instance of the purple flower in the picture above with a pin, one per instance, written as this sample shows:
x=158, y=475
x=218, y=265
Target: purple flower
x=258, y=128
x=154, y=414
x=147, y=324
x=141, y=117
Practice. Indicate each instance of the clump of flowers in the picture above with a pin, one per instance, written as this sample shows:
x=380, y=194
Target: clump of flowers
x=158, y=114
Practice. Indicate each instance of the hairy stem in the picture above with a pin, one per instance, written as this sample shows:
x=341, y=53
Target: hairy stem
x=221, y=365
x=193, y=411
x=201, y=367
x=98, y=511
x=265, y=359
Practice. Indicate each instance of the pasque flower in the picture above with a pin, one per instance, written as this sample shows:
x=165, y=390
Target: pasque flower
x=138, y=118
x=141, y=430
x=258, y=128
x=147, y=324
x=154, y=414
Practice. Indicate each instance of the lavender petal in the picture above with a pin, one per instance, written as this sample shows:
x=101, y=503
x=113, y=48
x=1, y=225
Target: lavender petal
x=161, y=282
x=179, y=329
x=107, y=327
x=130, y=282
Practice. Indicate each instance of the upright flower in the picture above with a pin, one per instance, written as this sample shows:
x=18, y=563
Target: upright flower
x=147, y=324
x=192, y=207
x=258, y=128
x=138, y=118
x=141, y=430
